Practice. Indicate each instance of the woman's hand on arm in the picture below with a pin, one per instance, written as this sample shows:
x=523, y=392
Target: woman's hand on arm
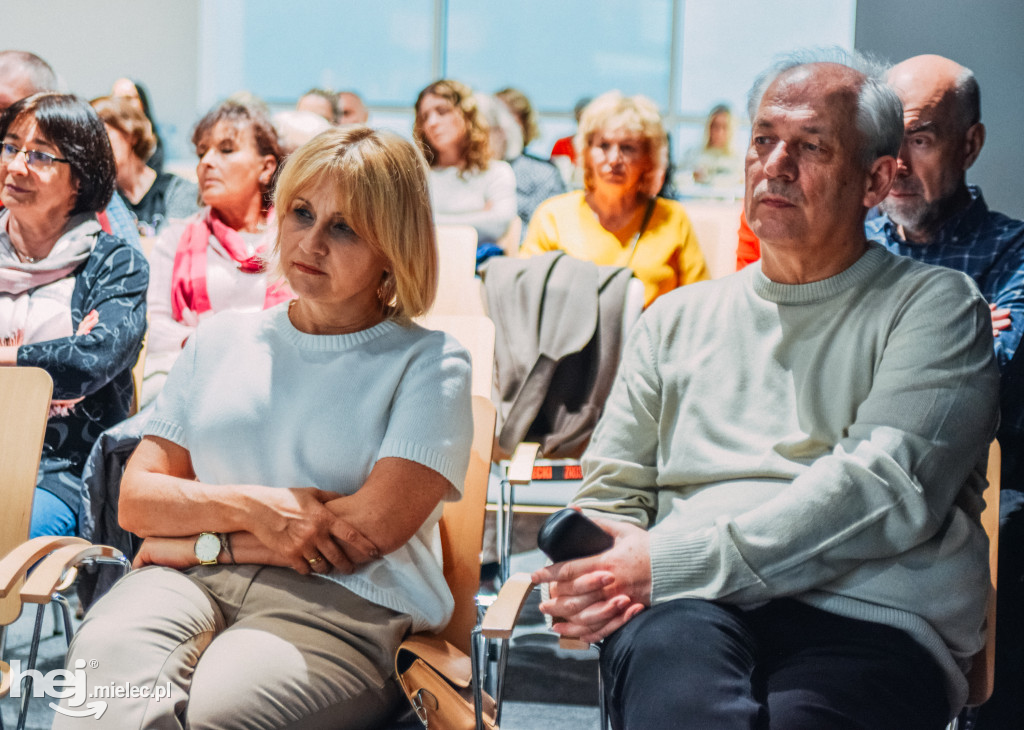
x=245, y=548
x=299, y=526
x=161, y=498
x=393, y=503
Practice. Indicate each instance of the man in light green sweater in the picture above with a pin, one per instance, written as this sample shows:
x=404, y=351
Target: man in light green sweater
x=791, y=460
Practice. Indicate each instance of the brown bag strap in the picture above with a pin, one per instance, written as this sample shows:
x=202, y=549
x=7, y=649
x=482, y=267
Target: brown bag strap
x=439, y=654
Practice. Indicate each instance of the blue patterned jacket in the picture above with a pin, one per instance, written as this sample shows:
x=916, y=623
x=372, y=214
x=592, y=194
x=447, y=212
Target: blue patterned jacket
x=96, y=366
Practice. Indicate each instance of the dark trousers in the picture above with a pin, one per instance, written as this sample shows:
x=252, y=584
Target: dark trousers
x=698, y=664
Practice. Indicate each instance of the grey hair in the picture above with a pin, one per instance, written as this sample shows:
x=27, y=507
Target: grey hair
x=879, y=110
x=37, y=71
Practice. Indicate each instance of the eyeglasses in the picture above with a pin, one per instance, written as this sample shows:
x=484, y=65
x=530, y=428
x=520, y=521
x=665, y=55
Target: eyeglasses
x=35, y=159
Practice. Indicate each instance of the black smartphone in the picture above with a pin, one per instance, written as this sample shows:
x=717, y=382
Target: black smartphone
x=568, y=534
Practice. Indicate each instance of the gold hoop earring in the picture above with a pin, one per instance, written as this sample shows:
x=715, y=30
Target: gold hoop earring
x=387, y=290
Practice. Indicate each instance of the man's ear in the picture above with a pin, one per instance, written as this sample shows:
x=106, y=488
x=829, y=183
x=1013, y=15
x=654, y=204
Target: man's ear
x=879, y=179
x=974, y=140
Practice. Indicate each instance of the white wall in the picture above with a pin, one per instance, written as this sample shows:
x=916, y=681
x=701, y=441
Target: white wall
x=985, y=36
x=91, y=43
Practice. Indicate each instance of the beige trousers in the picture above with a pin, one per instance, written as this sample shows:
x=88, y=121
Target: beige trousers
x=244, y=647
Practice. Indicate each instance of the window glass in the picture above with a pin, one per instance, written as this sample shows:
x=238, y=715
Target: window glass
x=382, y=49
x=557, y=52
x=725, y=45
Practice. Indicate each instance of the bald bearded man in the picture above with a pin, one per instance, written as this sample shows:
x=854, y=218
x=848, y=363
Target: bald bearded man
x=933, y=215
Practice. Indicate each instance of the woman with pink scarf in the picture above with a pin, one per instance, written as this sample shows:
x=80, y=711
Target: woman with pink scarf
x=217, y=259
x=72, y=298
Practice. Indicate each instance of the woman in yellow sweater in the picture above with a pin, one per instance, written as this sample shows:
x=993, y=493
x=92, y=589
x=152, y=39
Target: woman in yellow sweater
x=617, y=220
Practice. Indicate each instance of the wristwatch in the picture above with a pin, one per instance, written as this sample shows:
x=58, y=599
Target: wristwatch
x=208, y=547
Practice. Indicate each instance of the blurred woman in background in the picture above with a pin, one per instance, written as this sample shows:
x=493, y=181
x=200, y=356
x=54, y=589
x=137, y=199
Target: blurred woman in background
x=617, y=219
x=134, y=92
x=536, y=179
x=715, y=163
x=466, y=186
x=216, y=259
x=152, y=197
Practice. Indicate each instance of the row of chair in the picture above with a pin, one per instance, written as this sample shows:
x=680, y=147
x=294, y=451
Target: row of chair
x=40, y=570
x=26, y=392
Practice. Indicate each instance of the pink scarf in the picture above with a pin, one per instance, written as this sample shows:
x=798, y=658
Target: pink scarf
x=188, y=276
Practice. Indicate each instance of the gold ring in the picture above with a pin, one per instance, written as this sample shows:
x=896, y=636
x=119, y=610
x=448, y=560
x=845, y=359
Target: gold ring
x=314, y=561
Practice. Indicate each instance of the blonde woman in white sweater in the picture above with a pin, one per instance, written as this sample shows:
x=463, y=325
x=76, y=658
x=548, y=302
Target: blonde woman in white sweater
x=289, y=486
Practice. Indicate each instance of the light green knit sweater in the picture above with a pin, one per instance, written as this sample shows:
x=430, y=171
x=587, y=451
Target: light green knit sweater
x=823, y=441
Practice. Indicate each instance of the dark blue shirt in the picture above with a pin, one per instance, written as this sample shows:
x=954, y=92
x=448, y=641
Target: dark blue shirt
x=985, y=245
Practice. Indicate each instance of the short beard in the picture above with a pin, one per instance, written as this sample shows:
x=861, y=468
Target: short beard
x=921, y=219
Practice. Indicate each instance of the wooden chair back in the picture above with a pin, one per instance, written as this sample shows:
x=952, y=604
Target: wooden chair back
x=462, y=523
x=476, y=334
x=457, y=285
x=981, y=676
x=25, y=404
x=462, y=530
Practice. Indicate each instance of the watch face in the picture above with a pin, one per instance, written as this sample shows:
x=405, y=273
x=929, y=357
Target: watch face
x=207, y=548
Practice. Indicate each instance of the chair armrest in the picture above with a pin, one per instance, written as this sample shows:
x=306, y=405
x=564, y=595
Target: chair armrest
x=502, y=615
x=43, y=581
x=520, y=467
x=564, y=642
x=16, y=563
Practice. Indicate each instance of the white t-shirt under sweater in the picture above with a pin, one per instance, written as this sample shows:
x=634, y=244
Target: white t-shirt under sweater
x=256, y=401
x=227, y=287
x=484, y=199
x=820, y=441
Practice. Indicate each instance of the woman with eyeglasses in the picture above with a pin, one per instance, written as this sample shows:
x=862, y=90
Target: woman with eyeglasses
x=72, y=298
x=216, y=260
x=617, y=219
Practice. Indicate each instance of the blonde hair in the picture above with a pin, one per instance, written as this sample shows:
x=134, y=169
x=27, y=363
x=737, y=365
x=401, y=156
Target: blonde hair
x=382, y=187
x=636, y=114
x=719, y=110
x=476, y=150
